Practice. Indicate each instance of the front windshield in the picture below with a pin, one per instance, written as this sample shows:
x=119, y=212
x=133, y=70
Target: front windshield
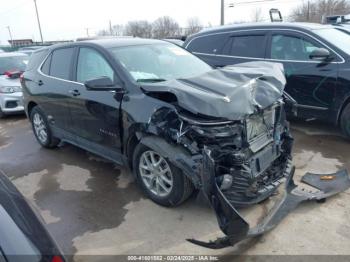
x=13, y=63
x=159, y=62
x=336, y=37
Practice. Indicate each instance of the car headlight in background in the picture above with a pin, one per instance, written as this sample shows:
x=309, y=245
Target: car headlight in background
x=10, y=89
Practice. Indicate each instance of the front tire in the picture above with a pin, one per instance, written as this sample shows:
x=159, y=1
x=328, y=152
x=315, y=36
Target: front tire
x=345, y=121
x=159, y=179
x=42, y=129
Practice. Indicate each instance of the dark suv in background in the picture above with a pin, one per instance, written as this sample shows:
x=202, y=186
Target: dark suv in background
x=316, y=61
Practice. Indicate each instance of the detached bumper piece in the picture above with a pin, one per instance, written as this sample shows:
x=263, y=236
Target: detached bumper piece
x=233, y=224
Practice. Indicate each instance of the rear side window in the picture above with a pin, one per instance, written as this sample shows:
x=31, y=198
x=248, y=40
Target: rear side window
x=36, y=59
x=61, y=63
x=246, y=46
x=45, y=68
x=210, y=44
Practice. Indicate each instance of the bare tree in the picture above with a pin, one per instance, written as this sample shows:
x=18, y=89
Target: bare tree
x=165, y=27
x=193, y=26
x=118, y=30
x=140, y=28
x=257, y=15
x=103, y=32
x=313, y=11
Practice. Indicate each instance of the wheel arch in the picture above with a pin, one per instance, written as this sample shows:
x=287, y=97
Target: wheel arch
x=177, y=155
x=345, y=103
x=131, y=144
x=30, y=107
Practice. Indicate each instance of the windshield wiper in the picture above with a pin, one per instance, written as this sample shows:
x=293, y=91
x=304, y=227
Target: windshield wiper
x=150, y=80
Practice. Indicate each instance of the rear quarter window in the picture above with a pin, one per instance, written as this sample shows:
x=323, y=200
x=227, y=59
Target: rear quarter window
x=45, y=68
x=36, y=59
x=210, y=44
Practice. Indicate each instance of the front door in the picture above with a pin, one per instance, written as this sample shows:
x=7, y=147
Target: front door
x=311, y=83
x=95, y=114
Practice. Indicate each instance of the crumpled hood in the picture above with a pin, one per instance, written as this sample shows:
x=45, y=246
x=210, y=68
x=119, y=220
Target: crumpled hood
x=232, y=92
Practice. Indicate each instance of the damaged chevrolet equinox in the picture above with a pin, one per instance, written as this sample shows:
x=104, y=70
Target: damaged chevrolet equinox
x=179, y=125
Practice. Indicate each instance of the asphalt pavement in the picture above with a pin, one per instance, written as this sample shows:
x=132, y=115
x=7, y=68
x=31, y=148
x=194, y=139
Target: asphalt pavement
x=92, y=206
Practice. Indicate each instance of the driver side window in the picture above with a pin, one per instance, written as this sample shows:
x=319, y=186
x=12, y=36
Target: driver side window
x=286, y=47
x=92, y=65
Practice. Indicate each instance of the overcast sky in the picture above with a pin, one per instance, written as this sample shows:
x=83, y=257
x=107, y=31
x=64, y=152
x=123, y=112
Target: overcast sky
x=68, y=19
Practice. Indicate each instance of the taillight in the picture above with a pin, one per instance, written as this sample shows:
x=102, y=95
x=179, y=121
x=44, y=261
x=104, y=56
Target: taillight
x=13, y=73
x=57, y=259
x=8, y=74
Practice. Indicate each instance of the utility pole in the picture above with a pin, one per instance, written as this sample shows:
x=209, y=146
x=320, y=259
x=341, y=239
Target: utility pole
x=222, y=20
x=87, y=32
x=37, y=17
x=8, y=28
x=110, y=27
x=308, y=11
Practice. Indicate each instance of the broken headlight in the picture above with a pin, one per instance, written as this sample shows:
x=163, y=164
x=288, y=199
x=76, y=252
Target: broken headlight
x=212, y=128
x=257, y=125
x=216, y=131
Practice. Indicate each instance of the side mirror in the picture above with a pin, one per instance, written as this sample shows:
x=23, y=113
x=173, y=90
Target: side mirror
x=101, y=84
x=320, y=54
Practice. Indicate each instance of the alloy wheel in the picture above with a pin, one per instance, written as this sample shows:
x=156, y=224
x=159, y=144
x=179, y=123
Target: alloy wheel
x=40, y=128
x=156, y=173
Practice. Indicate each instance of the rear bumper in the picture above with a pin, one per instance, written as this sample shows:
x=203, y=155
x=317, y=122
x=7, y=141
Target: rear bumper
x=236, y=228
x=11, y=103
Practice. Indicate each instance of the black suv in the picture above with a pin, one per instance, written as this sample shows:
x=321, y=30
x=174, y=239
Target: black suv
x=316, y=61
x=176, y=122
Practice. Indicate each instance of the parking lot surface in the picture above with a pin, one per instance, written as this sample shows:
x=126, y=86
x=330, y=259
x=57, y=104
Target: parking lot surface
x=91, y=206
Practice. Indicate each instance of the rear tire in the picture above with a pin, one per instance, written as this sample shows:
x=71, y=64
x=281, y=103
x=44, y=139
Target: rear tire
x=41, y=129
x=345, y=121
x=181, y=187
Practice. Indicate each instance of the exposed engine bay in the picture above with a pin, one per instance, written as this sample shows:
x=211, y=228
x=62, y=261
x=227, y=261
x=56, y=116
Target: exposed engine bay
x=232, y=139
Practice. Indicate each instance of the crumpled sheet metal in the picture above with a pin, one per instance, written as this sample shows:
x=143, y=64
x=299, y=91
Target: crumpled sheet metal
x=232, y=92
x=236, y=228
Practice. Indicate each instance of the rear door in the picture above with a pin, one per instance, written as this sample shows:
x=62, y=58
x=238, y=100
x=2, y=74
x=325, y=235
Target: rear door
x=311, y=83
x=243, y=47
x=95, y=114
x=207, y=47
x=53, y=84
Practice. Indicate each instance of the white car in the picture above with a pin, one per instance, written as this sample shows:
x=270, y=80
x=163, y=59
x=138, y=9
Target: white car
x=11, y=97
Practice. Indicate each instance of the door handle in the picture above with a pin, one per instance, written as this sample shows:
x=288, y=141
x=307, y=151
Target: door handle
x=40, y=82
x=74, y=92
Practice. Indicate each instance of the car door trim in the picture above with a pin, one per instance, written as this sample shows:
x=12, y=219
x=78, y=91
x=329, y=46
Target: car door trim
x=312, y=107
x=268, y=59
x=53, y=77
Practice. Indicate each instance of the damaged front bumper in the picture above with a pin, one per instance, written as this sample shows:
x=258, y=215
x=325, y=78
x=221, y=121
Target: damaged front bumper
x=236, y=228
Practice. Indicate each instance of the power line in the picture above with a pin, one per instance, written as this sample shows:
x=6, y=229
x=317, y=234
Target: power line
x=15, y=8
x=262, y=2
x=252, y=2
